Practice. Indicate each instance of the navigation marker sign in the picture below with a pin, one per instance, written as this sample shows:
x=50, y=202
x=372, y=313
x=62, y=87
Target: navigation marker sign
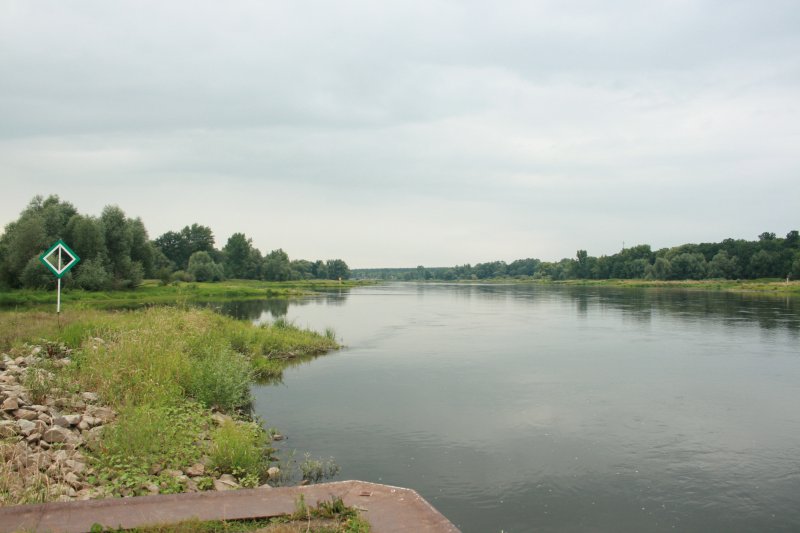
x=57, y=264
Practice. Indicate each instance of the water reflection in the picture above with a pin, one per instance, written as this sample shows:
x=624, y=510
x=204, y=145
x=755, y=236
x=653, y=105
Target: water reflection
x=269, y=309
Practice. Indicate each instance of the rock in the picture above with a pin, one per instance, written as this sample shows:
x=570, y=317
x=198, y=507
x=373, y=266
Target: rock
x=10, y=404
x=26, y=427
x=94, y=433
x=34, y=437
x=83, y=425
x=172, y=473
x=89, y=397
x=91, y=421
x=76, y=466
x=265, y=486
x=25, y=414
x=73, y=480
x=57, y=434
x=278, y=436
x=152, y=488
x=70, y=420
x=104, y=414
x=226, y=484
x=273, y=472
x=197, y=469
x=38, y=408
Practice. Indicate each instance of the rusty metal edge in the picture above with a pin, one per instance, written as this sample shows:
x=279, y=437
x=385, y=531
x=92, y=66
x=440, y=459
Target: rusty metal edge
x=387, y=508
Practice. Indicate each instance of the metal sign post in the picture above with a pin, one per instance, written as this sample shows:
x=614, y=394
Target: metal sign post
x=59, y=269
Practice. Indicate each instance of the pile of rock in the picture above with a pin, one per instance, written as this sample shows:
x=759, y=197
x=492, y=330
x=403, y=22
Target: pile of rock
x=42, y=441
x=42, y=437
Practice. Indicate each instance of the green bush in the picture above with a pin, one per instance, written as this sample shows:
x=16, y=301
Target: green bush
x=220, y=379
x=240, y=449
x=36, y=276
x=92, y=276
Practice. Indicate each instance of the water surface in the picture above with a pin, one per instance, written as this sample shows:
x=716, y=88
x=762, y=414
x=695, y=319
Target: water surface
x=535, y=408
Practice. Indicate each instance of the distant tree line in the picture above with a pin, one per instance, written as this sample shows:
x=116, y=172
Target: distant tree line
x=116, y=252
x=767, y=257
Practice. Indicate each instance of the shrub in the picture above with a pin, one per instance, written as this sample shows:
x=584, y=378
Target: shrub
x=182, y=275
x=240, y=449
x=220, y=379
x=36, y=276
x=92, y=276
x=203, y=267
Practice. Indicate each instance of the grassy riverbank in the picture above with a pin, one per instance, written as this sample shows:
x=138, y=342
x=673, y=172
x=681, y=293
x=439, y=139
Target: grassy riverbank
x=178, y=379
x=771, y=286
x=152, y=292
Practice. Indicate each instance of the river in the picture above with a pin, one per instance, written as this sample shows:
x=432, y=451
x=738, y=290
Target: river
x=543, y=408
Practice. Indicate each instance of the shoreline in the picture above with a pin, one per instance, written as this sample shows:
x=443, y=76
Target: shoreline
x=773, y=287
x=172, y=386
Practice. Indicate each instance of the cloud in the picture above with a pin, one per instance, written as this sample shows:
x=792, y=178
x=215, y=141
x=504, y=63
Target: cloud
x=516, y=129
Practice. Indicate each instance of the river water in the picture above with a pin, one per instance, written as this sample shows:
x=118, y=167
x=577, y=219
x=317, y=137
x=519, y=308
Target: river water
x=536, y=408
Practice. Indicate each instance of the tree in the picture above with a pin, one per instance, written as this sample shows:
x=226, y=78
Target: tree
x=239, y=257
x=301, y=269
x=142, y=251
x=118, y=240
x=319, y=269
x=174, y=247
x=662, y=268
x=723, y=266
x=689, y=266
x=796, y=266
x=40, y=224
x=582, y=264
x=276, y=266
x=337, y=269
x=179, y=246
x=85, y=235
x=792, y=239
x=764, y=264
x=203, y=268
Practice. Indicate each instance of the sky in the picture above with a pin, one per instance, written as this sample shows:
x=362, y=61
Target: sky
x=416, y=132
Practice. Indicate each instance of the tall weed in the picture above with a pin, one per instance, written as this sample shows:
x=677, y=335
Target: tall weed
x=220, y=379
x=240, y=449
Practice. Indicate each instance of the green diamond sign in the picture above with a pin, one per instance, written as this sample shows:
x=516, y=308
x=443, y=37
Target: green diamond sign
x=59, y=259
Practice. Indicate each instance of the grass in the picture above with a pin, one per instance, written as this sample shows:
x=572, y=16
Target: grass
x=328, y=517
x=768, y=285
x=163, y=369
x=151, y=292
x=239, y=449
x=148, y=440
x=773, y=286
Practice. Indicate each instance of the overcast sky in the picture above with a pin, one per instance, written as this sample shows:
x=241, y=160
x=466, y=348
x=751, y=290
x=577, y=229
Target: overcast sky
x=411, y=132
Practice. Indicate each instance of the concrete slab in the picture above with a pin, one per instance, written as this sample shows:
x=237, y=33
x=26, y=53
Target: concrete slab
x=388, y=509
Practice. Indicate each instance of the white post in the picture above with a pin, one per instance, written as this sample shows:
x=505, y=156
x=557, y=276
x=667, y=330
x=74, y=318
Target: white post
x=58, y=301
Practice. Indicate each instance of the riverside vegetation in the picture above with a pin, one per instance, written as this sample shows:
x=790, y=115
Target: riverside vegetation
x=139, y=402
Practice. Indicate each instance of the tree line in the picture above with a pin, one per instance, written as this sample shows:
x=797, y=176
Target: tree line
x=767, y=257
x=116, y=252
